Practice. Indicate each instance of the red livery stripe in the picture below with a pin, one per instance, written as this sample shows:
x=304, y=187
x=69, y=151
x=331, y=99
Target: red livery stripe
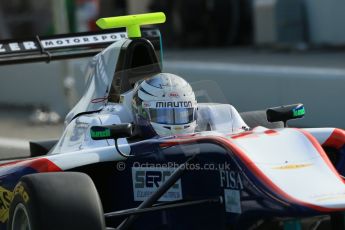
x=336, y=140
x=43, y=165
x=39, y=164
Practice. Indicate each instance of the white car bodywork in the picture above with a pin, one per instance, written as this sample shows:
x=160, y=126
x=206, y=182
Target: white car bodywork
x=289, y=161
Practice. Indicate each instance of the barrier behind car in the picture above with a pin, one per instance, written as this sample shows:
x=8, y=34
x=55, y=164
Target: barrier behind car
x=255, y=87
x=246, y=86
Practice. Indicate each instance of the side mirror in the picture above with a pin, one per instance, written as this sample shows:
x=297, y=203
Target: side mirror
x=285, y=113
x=111, y=131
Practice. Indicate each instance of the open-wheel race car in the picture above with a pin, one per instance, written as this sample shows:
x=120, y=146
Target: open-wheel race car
x=139, y=152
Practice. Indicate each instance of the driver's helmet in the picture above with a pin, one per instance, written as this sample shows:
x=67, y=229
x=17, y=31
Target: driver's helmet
x=164, y=105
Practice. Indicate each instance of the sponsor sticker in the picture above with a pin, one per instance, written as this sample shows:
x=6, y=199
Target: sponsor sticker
x=173, y=94
x=174, y=104
x=78, y=131
x=232, y=200
x=69, y=41
x=19, y=189
x=82, y=40
x=6, y=197
x=169, y=104
x=292, y=166
x=147, y=180
x=178, y=128
x=329, y=197
x=62, y=42
x=231, y=181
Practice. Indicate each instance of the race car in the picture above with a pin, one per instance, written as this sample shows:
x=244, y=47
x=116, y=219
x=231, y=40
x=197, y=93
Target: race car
x=234, y=171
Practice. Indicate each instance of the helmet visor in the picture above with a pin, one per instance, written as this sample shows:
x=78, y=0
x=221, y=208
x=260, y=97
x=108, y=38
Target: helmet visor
x=172, y=116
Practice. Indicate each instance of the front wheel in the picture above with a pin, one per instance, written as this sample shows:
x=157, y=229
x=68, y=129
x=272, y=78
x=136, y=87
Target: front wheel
x=55, y=201
x=21, y=220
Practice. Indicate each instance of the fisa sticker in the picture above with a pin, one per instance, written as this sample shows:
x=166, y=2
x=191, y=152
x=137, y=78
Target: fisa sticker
x=232, y=201
x=147, y=180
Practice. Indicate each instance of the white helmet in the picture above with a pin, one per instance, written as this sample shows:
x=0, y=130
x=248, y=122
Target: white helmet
x=165, y=104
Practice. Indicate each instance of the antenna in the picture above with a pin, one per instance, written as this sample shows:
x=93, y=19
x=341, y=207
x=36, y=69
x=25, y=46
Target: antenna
x=131, y=22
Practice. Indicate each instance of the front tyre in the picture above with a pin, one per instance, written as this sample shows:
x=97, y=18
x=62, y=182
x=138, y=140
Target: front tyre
x=55, y=201
x=20, y=220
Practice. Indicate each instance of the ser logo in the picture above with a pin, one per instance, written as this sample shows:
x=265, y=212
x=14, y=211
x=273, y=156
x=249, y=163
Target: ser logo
x=151, y=179
x=148, y=180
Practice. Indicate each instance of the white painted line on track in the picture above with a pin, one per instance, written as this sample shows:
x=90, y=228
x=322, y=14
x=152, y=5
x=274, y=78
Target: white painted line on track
x=14, y=143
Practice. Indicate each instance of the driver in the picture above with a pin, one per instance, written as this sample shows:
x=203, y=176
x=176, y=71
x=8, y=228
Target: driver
x=164, y=105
